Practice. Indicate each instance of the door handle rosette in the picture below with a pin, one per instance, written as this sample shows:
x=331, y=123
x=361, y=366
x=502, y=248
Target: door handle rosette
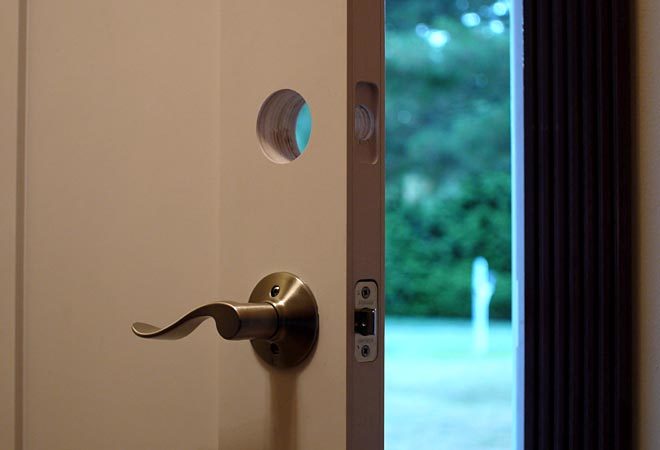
x=280, y=319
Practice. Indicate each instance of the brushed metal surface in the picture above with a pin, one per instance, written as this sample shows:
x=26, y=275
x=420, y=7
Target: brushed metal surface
x=281, y=320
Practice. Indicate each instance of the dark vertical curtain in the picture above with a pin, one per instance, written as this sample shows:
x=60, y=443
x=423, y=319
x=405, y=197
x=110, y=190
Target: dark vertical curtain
x=578, y=209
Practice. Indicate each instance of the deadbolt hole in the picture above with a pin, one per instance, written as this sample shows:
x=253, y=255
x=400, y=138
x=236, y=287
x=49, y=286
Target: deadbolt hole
x=365, y=123
x=274, y=349
x=284, y=126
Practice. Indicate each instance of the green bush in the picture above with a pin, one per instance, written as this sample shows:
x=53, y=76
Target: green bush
x=431, y=246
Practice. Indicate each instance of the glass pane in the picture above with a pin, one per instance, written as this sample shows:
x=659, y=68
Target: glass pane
x=449, y=344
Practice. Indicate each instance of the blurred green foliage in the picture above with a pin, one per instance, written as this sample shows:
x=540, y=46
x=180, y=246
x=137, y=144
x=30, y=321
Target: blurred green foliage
x=448, y=185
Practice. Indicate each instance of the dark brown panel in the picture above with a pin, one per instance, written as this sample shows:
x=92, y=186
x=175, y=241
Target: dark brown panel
x=578, y=293
x=366, y=217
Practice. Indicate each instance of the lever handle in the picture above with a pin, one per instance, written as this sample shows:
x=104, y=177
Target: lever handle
x=281, y=320
x=233, y=321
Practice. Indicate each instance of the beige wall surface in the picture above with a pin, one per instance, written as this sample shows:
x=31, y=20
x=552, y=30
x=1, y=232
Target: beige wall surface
x=648, y=226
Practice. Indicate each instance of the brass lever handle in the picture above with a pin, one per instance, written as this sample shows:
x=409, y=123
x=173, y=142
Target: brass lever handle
x=281, y=320
x=233, y=321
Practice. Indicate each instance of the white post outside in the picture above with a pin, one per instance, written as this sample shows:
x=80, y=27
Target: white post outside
x=483, y=287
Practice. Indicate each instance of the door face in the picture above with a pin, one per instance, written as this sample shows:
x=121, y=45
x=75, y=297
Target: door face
x=157, y=142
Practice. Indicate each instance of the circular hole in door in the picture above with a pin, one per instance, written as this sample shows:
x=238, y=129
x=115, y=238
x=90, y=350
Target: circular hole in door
x=284, y=126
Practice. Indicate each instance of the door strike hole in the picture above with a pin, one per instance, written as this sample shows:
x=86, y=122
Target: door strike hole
x=284, y=126
x=365, y=124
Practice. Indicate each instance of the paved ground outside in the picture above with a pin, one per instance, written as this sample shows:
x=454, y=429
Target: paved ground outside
x=440, y=395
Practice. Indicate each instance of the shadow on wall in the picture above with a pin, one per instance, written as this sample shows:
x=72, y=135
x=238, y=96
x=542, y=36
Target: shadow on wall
x=284, y=410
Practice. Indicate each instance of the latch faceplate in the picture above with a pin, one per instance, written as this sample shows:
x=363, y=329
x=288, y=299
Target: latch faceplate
x=366, y=321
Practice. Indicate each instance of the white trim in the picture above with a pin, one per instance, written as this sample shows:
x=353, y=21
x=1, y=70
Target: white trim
x=518, y=212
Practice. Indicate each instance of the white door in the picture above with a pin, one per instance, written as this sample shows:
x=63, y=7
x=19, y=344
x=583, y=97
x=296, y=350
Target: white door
x=150, y=165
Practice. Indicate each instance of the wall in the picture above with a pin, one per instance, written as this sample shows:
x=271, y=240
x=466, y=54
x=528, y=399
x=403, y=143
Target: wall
x=648, y=226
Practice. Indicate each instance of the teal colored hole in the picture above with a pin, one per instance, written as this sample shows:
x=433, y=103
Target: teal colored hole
x=303, y=127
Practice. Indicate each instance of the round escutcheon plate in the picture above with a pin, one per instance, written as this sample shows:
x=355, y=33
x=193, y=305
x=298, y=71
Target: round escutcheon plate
x=297, y=318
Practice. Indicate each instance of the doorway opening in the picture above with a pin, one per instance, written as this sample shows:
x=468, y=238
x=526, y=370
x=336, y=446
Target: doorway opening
x=452, y=311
